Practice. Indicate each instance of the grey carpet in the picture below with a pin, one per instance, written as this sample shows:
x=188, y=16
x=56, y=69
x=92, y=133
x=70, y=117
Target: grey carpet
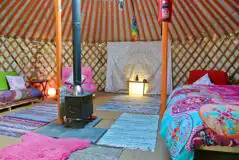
x=97, y=153
x=59, y=131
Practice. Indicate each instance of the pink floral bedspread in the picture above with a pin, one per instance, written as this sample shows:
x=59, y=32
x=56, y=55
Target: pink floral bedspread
x=199, y=115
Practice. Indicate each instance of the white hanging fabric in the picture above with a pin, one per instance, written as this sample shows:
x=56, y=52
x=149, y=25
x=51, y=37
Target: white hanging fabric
x=128, y=59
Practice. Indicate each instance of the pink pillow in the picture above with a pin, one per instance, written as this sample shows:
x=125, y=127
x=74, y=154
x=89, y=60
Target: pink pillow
x=69, y=80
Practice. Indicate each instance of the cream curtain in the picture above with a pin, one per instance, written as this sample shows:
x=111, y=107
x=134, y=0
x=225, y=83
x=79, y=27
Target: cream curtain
x=128, y=59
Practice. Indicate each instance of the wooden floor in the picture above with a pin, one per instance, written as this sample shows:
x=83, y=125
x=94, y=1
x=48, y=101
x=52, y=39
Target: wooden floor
x=107, y=119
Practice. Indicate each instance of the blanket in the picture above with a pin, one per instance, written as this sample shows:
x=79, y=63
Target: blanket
x=38, y=147
x=199, y=115
x=9, y=96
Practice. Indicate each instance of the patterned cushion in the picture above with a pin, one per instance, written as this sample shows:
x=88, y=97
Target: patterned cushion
x=16, y=82
x=205, y=80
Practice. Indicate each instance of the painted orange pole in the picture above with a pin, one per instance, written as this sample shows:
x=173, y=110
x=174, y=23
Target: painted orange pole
x=57, y=5
x=164, y=68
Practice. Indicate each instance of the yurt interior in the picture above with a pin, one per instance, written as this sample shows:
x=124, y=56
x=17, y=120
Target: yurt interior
x=119, y=79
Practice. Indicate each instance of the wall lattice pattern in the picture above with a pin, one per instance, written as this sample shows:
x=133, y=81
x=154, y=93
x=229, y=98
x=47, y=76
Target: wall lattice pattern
x=25, y=55
x=205, y=53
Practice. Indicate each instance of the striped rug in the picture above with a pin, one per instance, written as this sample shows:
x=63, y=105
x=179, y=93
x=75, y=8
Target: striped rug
x=133, y=104
x=18, y=123
x=132, y=131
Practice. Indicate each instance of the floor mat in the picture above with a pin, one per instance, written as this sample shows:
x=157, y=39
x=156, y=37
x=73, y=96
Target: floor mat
x=93, y=123
x=134, y=104
x=18, y=123
x=59, y=131
x=133, y=131
x=37, y=147
x=97, y=153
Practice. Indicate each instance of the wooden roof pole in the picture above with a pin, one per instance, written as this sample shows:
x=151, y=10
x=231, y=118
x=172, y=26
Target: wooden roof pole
x=57, y=5
x=164, y=68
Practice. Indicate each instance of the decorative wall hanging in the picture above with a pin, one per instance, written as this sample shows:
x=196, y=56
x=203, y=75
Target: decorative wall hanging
x=121, y=5
x=134, y=29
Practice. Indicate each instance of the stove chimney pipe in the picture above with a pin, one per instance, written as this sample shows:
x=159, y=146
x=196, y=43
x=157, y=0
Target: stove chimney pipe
x=76, y=36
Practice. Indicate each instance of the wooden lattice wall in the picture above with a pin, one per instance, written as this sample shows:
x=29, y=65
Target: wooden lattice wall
x=25, y=56
x=218, y=54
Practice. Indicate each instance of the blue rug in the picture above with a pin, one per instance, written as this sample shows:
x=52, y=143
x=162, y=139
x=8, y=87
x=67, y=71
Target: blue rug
x=133, y=131
x=97, y=153
x=18, y=123
x=134, y=104
x=38, y=113
x=59, y=131
x=93, y=123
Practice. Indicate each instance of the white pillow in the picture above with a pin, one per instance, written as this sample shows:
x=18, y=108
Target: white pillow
x=204, y=80
x=69, y=80
x=16, y=82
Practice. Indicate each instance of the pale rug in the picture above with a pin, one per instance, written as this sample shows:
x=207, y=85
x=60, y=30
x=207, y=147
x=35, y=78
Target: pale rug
x=134, y=104
x=132, y=131
x=97, y=153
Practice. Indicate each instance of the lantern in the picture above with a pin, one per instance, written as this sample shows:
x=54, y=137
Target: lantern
x=52, y=92
x=136, y=88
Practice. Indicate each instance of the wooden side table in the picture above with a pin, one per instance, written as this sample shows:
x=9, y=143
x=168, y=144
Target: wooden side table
x=43, y=84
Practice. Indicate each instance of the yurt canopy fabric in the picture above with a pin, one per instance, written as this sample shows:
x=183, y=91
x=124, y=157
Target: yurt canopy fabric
x=103, y=20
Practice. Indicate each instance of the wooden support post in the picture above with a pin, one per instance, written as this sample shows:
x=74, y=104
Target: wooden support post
x=57, y=5
x=164, y=68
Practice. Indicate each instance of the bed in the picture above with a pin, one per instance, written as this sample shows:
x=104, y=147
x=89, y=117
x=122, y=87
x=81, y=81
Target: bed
x=201, y=115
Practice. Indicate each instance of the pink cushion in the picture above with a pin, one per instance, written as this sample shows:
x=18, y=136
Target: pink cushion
x=66, y=72
x=88, y=85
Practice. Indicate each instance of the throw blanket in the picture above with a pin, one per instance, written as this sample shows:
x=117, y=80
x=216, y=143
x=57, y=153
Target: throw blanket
x=38, y=147
x=9, y=96
x=199, y=115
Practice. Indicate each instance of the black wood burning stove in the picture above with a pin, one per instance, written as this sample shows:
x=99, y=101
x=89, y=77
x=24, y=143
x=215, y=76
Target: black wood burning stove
x=78, y=105
x=78, y=108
